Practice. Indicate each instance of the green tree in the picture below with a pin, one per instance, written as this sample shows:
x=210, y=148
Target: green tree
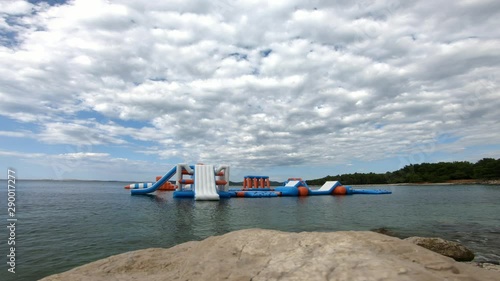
x=487, y=168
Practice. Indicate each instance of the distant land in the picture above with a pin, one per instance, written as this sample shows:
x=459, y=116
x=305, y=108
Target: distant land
x=486, y=171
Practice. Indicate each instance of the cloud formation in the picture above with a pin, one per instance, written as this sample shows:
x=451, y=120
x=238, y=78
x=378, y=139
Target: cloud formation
x=252, y=83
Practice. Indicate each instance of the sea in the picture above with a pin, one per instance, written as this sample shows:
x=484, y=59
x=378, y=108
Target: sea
x=64, y=224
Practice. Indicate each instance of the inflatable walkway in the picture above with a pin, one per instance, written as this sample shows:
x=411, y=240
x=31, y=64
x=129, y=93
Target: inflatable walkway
x=298, y=187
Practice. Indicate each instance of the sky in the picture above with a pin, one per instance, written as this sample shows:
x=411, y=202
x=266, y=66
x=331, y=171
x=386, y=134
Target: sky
x=125, y=89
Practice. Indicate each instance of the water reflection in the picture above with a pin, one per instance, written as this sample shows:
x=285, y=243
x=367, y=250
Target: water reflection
x=221, y=217
x=183, y=220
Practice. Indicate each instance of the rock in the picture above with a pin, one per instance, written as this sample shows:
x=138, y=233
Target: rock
x=486, y=265
x=256, y=254
x=447, y=248
x=385, y=231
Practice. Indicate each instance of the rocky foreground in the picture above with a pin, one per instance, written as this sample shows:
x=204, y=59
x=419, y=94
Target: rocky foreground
x=257, y=254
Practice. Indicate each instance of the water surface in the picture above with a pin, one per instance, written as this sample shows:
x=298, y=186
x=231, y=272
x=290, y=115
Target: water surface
x=63, y=224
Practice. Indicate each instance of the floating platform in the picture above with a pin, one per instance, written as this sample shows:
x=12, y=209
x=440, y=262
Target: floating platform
x=209, y=183
x=289, y=189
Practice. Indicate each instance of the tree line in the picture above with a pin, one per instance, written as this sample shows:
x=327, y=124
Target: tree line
x=484, y=169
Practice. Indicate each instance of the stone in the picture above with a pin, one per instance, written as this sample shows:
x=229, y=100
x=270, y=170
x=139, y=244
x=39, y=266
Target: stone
x=447, y=248
x=486, y=265
x=385, y=231
x=257, y=254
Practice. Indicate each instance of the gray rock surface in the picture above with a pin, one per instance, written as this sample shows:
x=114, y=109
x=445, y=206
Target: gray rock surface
x=447, y=248
x=486, y=265
x=257, y=254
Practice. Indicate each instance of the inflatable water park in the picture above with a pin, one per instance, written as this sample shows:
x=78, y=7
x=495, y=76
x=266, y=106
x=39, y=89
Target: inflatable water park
x=207, y=182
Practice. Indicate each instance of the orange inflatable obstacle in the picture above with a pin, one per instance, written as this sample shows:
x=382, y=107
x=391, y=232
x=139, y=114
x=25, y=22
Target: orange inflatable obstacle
x=251, y=182
x=167, y=186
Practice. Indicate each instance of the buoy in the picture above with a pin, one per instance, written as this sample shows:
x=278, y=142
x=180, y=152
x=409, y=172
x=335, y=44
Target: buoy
x=340, y=190
x=303, y=191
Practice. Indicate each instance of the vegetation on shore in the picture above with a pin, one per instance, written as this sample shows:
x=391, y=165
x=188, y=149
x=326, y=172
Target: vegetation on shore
x=483, y=170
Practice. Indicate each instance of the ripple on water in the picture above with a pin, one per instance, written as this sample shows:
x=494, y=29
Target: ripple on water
x=66, y=224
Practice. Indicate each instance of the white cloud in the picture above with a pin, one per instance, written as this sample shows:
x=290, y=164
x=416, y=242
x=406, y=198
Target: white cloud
x=16, y=134
x=81, y=155
x=15, y=7
x=86, y=165
x=78, y=133
x=255, y=83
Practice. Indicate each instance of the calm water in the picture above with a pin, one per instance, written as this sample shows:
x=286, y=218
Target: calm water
x=65, y=224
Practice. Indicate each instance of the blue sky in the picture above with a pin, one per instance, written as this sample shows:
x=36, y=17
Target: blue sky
x=124, y=89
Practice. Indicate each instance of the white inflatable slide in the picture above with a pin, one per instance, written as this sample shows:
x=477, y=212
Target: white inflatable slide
x=204, y=183
x=328, y=185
